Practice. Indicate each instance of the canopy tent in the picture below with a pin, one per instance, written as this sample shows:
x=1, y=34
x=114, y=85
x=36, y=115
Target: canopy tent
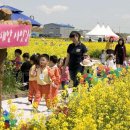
x=14, y=10
x=110, y=32
x=17, y=14
x=94, y=31
x=102, y=31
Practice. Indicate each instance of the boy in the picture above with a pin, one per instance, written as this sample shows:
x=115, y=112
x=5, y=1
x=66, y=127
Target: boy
x=44, y=80
x=34, y=59
x=57, y=81
x=17, y=62
x=25, y=69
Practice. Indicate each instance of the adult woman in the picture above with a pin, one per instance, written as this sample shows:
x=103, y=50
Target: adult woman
x=120, y=52
x=110, y=46
x=75, y=53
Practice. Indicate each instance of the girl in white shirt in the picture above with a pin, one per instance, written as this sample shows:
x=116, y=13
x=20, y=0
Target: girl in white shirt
x=110, y=62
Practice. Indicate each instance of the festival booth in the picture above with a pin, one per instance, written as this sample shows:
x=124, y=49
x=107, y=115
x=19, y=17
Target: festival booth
x=101, y=32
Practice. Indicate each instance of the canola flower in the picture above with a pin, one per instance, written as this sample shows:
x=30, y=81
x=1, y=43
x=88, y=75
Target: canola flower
x=59, y=47
x=13, y=108
x=9, y=102
x=105, y=107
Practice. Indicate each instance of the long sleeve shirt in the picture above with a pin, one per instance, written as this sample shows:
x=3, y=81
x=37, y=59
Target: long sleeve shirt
x=120, y=51
x=33, y=73
x=55, y=76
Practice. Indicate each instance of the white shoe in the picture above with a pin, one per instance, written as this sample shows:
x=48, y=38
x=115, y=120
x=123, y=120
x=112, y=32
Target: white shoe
x=29, y=103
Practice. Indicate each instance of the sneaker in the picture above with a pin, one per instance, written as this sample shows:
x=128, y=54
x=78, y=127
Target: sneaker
x=29, y=102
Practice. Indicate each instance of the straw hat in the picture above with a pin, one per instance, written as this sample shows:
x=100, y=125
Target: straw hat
x=86, y=63
x=6, y=11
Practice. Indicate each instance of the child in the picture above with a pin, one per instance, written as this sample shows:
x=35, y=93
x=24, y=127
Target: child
x=34, y=59
x=65, y=77
x=44, y=80
x=86, y=60
x=17, y=62
x=57, y=81
x=87, y=64
x=129, y=62
x=88, y=70
x=103, y=57
x=110, y=62
x=86, y=56
x=125, y=63
x=59, y=64
x=25, y=69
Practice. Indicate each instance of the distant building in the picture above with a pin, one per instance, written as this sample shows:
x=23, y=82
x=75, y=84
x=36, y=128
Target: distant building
x=83, y=32
x=57, y=30
x=34, y=34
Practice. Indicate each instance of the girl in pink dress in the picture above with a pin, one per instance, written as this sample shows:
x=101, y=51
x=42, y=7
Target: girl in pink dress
x=65, y=77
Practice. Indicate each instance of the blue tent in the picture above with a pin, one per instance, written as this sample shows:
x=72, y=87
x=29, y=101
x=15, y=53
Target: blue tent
x=17, y=14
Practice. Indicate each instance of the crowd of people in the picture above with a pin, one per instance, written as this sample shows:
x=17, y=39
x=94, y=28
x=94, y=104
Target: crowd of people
x=115, y=56
x=44, y=75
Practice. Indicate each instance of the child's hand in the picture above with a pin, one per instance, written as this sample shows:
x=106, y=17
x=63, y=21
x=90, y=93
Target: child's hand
x=53, y=85
x=50, y=73
x=34, y=73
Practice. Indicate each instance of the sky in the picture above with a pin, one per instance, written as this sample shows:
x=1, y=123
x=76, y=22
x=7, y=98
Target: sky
x=83, y=14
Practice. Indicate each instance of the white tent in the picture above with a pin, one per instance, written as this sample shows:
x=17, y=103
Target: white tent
x=94, y=31
x=110, y=32
x=102, y=32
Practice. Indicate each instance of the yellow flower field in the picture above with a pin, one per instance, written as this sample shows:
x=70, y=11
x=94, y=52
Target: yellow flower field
x=105, y=107
x=58, y=47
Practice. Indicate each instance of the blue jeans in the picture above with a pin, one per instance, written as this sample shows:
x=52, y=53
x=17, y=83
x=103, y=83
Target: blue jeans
x=73, y=75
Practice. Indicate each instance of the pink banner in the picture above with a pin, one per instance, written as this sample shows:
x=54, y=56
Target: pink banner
x=14, y=35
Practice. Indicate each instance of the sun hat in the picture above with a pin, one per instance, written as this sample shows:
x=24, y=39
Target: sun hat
x=6, y=11
x=86, y=63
